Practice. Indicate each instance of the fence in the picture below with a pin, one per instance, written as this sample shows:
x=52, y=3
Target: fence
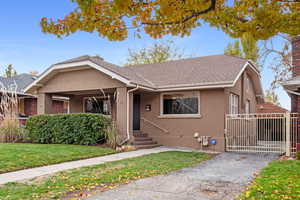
x=262, y=132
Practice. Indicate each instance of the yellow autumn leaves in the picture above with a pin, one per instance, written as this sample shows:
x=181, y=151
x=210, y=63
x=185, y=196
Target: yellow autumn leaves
x=113, y=18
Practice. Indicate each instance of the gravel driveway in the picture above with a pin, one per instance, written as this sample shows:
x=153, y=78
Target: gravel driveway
x=222, y=177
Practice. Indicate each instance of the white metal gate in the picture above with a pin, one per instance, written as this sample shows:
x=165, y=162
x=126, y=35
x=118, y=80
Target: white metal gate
x=265, y=133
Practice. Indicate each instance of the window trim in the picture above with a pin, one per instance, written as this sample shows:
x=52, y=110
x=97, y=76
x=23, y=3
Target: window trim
x=162, y=115
x=231, y=94
x=248, y=83
x=247, y=107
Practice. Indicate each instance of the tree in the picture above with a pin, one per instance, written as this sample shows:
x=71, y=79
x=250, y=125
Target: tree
x=234, y=49
x=246, y=47
x=10, y=71
x=281, y=57
x=272, y=97
x=114, y=18
x=34, y=72
x=158, y=52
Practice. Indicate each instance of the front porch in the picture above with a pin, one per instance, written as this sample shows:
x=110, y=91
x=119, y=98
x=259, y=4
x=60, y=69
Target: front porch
x=109, y=101
x=94, y=89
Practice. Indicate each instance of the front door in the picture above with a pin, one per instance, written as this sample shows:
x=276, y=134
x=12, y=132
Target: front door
x=136, y=111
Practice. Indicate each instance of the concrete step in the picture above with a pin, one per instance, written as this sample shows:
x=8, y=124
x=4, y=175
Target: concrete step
x=143, y=142
x=149, y=146
x=140, y=134
x=142, y=139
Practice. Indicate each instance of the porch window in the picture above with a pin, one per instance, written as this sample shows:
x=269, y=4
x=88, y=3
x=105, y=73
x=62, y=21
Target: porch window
x=97, y=105
x=180, y=103
x=233, y=104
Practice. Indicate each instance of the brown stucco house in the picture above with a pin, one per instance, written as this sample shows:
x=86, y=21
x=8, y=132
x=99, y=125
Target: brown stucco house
x=173, y=102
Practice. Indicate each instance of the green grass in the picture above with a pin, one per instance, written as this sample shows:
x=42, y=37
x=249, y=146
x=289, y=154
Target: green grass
x=279, y=180
x=21, y=156
x=101, y=176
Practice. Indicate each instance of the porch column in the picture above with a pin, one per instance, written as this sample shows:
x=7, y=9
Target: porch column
x=121, y=115
x=44, y=103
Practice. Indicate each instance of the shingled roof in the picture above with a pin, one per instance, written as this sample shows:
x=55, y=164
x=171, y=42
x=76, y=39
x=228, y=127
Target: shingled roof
x=21, y=81
x=270, y=108
x=215, y=69
x=209, y=71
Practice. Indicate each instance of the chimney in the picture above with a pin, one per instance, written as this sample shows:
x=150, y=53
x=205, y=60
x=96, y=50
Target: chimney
x=295, y=99
x=296, y=56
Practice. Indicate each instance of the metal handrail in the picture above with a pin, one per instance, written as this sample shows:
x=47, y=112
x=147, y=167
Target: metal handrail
x=154, y=124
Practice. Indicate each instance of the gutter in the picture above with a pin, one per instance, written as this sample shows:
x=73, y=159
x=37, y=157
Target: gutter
x=128, y=115
x=292, y=92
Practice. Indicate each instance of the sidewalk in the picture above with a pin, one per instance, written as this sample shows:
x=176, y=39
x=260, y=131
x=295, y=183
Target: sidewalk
x=50, y=169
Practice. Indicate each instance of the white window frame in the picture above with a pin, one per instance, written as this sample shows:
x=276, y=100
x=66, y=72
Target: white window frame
x=248, y=83
x=162, y=115
x=234, y=103
x=247, y=106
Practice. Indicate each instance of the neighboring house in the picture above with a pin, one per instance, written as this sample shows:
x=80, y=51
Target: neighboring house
x=270, y=108
x=292, y=86
x=170, y=101
x=27, y=104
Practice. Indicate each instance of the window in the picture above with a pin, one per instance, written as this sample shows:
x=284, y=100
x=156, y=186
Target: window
x=180, y=103
x=97, y=105
x=233, y=104
x=247, y=107
x=248, y=83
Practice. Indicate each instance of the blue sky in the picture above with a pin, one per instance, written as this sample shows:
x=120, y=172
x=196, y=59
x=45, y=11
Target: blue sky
x=24, y=45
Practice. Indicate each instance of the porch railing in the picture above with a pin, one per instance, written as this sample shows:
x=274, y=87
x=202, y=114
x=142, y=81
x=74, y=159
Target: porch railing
x=154, y=124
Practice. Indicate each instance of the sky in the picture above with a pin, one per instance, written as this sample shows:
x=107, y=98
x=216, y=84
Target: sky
x=24, y=45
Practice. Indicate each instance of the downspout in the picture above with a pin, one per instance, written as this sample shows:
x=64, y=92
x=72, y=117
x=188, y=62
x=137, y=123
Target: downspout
x=128, y=114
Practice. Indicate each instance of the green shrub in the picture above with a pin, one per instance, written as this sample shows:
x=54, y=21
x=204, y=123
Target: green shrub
x=77, y=128
x=298, y=155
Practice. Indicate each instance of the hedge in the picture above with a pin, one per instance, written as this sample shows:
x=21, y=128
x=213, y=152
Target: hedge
x=79, y=128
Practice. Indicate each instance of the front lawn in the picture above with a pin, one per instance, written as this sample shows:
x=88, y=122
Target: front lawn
x=74, y=183
x=279, y=180
x=21, y=156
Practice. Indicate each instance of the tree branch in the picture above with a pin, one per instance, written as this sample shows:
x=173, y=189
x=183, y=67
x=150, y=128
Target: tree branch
x=184, y=20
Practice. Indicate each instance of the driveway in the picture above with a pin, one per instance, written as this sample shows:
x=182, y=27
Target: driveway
x=222, y=177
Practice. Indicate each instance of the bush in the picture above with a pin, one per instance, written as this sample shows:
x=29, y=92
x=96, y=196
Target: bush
x=298, y=155
x=79, y=128
x=10, y=131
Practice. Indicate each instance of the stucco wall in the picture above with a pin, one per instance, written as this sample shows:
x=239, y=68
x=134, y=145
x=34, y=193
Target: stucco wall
x=80, y=80
x=244, y=94
x=181, y=130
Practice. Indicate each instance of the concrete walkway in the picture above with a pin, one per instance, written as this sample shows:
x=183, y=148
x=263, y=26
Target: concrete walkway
x=50, y=169
x=220, y=178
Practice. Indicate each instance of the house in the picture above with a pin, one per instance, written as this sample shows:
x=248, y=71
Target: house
x=176, y=103
x=268, y=107
x=27, y=104
x=292, y=85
